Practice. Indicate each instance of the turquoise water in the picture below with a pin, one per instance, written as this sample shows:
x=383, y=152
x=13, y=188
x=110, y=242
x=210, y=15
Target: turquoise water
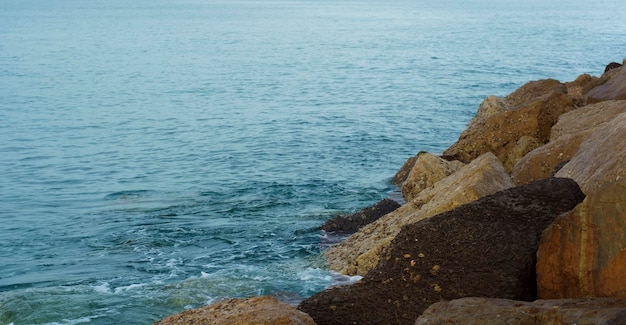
x=161, y=155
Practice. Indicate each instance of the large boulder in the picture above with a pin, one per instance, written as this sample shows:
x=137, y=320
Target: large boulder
x=583, y=253
x=350, y=223
x=535, y=108
x=579, y=88
x=362, y=251
x=404, y=171
x=485, y=248
x=489, y=311
x=261, y=310
x=613, y=88
x=565, y=139
x=489, y=107
x=427, y=170
x=601, y=157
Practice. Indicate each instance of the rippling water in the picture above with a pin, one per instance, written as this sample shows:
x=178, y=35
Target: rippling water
x=160, y=155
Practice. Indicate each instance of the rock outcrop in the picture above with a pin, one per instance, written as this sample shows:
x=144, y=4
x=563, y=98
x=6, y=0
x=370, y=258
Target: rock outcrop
x=261, y=310
x=348, y=224
x=601, y=157
x=361, y=252
x=565, y=139
x=535, y=108
x=427, y=170
x=485, y=311
x=613, y=88
x=484, y=248
x=583, y=253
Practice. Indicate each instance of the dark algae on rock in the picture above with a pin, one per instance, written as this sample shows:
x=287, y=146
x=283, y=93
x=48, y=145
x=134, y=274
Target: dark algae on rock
x=485, y=248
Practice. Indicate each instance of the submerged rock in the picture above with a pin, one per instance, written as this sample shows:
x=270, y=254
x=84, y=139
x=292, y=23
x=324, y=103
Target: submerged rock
x=484, y=248
x=351, y=223
x=262, y=310
x=362, y=251
x=486, y=311
x=583, y=253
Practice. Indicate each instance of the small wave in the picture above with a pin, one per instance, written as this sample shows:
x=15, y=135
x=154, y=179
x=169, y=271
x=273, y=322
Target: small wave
x=128, y=195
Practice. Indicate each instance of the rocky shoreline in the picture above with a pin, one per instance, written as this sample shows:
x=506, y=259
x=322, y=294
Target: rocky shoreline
x=521, y=221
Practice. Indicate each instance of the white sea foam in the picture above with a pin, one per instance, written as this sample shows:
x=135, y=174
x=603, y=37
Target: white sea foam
x=105, y=287
x=130, y=287
x=339, y=279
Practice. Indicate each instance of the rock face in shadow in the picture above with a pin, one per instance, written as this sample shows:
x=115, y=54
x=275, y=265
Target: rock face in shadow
x=565, y=139
x=351, y=223
x=534, y=109
x=486, y=311
x=362, y=251
x=583, y=253
x=485, y=248
x=263, y=310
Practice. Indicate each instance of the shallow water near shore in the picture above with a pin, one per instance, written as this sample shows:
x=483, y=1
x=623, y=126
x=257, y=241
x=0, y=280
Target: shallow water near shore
x=162, y=155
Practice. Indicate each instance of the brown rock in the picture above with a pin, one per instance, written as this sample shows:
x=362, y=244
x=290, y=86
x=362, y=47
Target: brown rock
x=566, y=136
x=613, y=88
x=489, y=107
x=583, y=253
x=532, y=90
x=403, y=172
x=601, y=157
x=486, y=311
x=361, y=252
x=484, y=248
x=262, y=310
x=427, y=170
x=351, y=223
x=579, y=88
x=501, y=133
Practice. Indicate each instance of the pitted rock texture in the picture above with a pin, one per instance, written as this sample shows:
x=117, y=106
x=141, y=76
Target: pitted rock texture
x=485, y=248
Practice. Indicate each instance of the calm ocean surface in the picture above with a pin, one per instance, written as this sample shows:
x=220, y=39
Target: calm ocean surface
x=160, y=155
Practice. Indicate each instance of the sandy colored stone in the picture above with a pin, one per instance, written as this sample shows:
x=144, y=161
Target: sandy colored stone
x=427, y=170
x=361, y=252
x=488, y=311
x=501, y=132
x=613, y=88
x=579, y=88
x=565, y=139
x=489, y=107
x=587, y=118
x=532, y=90
x=583, y=253
x=601, y=157
x=263, y=310
x=403, y=172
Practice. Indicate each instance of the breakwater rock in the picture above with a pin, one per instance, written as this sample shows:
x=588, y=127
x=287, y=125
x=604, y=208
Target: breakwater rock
x=529, y=203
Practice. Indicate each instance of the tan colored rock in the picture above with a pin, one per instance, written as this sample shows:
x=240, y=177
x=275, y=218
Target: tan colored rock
x=261, y=310
x=579, y=88
x=601, y=157
x=427, y=170
x=501, y=133
x=613, y=88
x=492, y=311
x=361, y=252
x=583, y=253
x=587, y=118
x=403, y=172
x=565, y=139
x=489, y=107
x=532, y=90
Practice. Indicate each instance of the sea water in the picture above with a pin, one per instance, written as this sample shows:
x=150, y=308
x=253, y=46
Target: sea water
x=162, y=155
